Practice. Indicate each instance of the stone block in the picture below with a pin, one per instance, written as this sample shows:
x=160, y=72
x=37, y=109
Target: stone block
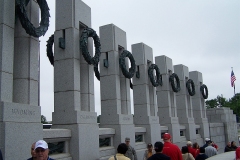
x=34, y=91
x=87, y=102
x=164, y=64
x=142, y=54
x=141, y=114
x=196, y=77
x=110, y=107
x=69, y=100
x=67, y=75
x=21, y=91
x=7, y=12
x=72, y=48
x=86, y=79
x=15, y=133
x=144, y=78
x=72, y=13
x=6, y=48
x=113, y=62
x=110, y=87
x=141, y=94
x=16, y=112
x=112, y=37
x=165, y=84
x=77, y=116
x=183, y=89
x=181, y=71
x=26, y=58
x=6, y=91
x=163, y=99
x=125, y=89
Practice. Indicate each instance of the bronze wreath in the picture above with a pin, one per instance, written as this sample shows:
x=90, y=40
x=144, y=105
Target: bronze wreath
x=131, y=85
x=171, y=79
x=97, y=73
x=158, y=81
x=122, y=64
x=49, y=49
x=89, y=32
x=26, y=24
x=190, y=87
x=205, y=95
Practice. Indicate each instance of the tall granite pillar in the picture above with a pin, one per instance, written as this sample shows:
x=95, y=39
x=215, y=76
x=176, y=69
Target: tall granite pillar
x=74, y=81
x=184, y=103
x=198, y=104
x=166, y=98
x=20, y=115
x=144, y=94
x=115, y=88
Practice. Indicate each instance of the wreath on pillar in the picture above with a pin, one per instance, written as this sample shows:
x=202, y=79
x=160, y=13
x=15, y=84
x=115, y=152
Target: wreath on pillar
x=89, y=32
x=128, y=74
x=26, y=24
x=175, y=88
x=49, y=49
x=190, y=87
x=204, y=94
x=97, y=73
x=158, y=80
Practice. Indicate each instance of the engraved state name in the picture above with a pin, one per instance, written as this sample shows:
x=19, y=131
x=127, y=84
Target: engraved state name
x=23, y=112
x=87, y=117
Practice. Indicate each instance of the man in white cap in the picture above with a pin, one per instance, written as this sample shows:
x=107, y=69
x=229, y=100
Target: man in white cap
x=206, y=142
x=41, y=149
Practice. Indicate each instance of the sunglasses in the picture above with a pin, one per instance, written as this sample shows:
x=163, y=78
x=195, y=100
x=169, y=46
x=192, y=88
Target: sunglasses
x=40, y=150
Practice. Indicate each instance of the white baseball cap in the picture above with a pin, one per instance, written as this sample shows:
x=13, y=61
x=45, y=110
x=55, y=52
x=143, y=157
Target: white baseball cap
x=41, y=144
x=207, y=139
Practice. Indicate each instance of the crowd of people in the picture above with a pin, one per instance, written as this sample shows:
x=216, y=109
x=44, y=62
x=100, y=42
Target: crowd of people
x=169, y=151
x=160, y=151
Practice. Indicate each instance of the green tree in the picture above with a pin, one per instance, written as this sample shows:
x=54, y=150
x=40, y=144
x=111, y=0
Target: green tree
x=234, y=104
x=220, y=101
x=43, y=119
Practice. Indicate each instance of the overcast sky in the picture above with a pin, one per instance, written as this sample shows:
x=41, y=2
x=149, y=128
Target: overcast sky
x=203, y=35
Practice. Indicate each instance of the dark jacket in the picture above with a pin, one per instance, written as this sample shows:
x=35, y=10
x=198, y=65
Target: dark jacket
x=201, y=156
x=228, y=149
x=159, y=156
x=1, y=157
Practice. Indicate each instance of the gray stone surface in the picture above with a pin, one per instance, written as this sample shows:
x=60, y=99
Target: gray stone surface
x=166, y=99
x=7, y=12
x=71, y=12
x=184, y=103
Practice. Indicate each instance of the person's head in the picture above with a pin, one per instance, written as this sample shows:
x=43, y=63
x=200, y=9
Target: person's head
x=127, y=141
x=158, y=147
x=209, y=142
x=41, y=149
x=122, y=148
x=233, y=143
x=149, y=146
x=33, y=153
x=184, y=149
x=202, y=150
x=189, y=143
x=229, y=144
x=195, y=145
x=166, y=137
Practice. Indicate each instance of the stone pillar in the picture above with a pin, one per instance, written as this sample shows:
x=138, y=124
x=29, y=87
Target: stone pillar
x=20, y=114
x=74, y=81
x=115, y=88
x=166, y=98
x=184, y=103
x=198, y=104
x=144, y=94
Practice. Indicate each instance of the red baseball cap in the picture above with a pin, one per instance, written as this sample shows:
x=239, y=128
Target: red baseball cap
x=166, y=136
